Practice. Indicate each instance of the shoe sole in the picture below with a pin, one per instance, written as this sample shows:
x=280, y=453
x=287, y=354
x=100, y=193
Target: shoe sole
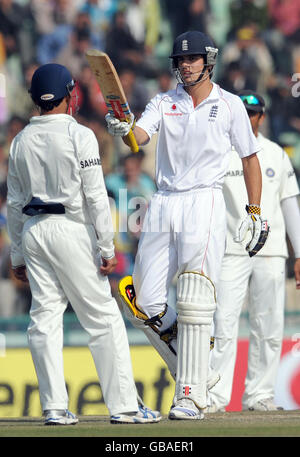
x=114, y=421
x=174, y=417
x=53, y=423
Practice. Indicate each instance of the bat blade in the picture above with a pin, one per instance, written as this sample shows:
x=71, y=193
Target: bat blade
x=111, y=88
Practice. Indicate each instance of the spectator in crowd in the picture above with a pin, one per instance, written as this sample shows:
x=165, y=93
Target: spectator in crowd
x=90, y=99
x=51, y=45
x=144, y=20
x=285, y=15
x=253, y=56
x=187, y=15
x=129, y=50
x=101, y=13
x=243, y=12
x=135, y=91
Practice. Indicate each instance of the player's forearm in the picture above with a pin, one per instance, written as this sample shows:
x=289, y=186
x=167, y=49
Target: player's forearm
x=15, y=227
x=140, y=135
x=291, y=214
x=253, y=178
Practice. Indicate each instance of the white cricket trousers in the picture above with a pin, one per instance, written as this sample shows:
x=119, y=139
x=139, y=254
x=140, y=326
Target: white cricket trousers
x=63, y=266
x=182, y=231
x=264, y=280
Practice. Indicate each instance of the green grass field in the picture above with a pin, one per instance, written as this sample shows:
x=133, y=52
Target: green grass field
x=234, y=424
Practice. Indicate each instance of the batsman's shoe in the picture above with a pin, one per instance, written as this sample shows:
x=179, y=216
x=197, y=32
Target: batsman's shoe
x=185, y=409
x=60, y=417
x=143, y=416
x=127, y=293
x=265, y=405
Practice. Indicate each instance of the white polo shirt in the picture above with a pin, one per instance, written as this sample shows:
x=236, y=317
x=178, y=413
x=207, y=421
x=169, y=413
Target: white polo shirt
x=193, y=144
x=278, y=182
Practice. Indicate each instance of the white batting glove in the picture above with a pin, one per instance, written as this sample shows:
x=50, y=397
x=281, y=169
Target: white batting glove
x=116, y=127
x=258, y=228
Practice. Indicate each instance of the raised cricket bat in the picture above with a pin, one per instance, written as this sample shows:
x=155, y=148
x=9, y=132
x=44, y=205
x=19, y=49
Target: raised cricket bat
x=111, y=88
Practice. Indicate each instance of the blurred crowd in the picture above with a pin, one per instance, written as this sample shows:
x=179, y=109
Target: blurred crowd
x=259, y=49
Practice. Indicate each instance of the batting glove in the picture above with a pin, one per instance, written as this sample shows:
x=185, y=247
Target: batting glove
x=258, y=228
x=118, y=128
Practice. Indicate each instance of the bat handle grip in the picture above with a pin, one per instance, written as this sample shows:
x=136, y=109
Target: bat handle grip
x=132, y=141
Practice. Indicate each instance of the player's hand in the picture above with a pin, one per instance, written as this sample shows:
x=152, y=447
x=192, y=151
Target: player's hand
x=108, y=266
x=118, y=128
x=258, y=228
x=297, y=272
x=20, y=273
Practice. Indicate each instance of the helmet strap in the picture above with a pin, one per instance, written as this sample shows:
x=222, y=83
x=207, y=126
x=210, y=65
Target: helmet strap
x=198, y=80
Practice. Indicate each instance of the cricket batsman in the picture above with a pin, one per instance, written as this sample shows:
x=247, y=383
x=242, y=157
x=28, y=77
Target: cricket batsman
x=185, y=226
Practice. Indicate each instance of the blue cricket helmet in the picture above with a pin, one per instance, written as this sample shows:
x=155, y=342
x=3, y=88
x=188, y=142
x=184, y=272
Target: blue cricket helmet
x=51, y=82
x=194, y=43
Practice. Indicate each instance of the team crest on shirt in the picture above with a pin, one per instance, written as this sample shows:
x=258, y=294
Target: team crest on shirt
x=213, y=113
x=270, y=172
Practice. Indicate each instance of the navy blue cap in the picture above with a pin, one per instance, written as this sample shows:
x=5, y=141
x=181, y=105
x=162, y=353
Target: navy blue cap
x=252, y=101
x=51, y=82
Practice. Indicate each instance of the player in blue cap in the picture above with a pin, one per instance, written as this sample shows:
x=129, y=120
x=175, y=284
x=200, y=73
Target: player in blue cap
x=65, y=249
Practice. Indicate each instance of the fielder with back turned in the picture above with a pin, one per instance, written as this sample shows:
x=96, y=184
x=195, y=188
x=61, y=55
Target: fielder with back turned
x=185, y=225
x=262, y=277
x=65, y=246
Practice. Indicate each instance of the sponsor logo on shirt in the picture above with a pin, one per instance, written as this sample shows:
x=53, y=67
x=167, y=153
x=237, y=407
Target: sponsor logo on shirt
x=213, y=113
x=174, y=111
x=90, y=162
x=232, y=173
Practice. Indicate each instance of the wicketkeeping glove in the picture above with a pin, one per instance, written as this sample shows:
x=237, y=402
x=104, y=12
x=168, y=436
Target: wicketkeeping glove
x=259, y=230
x=118, y=128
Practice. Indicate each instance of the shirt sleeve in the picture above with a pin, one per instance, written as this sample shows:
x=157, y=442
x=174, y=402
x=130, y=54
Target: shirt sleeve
x=95, y=191
x=291, y=214
x=289, y=185
x=15, y=202
x=242, y=136
x=151, y=117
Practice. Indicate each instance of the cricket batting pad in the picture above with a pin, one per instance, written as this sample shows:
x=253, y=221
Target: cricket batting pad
x=196, y=304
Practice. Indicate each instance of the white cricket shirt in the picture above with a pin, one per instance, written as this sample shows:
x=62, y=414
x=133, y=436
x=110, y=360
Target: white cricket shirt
x=57, y=159
x=278, y=182
x=193, y=144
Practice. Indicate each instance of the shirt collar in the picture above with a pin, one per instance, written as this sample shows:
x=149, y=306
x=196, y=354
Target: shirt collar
x=51, y=117
x=213, y=96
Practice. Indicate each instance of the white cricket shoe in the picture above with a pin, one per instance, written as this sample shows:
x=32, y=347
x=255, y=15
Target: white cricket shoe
x=186, y=409
x=266, y=404
x=60, y=417
x=143, y=416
